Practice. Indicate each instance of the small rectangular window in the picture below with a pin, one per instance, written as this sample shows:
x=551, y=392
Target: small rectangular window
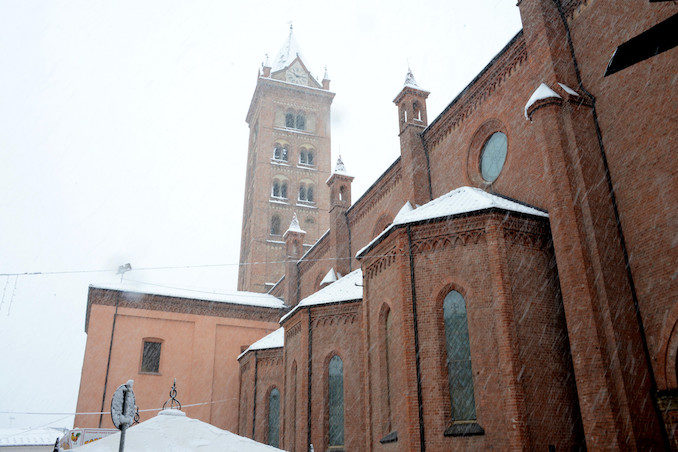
x=150, y=361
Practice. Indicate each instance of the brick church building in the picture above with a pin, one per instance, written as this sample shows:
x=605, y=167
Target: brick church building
x=508, y=282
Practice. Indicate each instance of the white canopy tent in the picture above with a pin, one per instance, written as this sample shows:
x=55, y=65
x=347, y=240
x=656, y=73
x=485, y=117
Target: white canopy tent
x=173, y=431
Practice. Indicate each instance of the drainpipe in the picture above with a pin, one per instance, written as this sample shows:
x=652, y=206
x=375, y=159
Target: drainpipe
x=422, y=443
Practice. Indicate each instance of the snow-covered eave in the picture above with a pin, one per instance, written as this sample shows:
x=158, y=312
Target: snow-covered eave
x=248, y=350
x=410, y=88
x=315, y=305
x=278, y=306
x=392, y=227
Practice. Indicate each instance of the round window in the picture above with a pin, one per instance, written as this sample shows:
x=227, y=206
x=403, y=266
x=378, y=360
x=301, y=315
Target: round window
x=493, y=156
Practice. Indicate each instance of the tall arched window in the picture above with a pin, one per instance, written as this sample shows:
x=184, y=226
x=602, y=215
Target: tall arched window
x=309, y=193
x=459, y=376
x=280, y=152
x=275, y=191
x=274, y=417
x=279, y=189
x=309, y=157
x=302, y=192
x=283, y=190
x=335, y=402
x=275, y=225
x=303, y=157
x=289, y=120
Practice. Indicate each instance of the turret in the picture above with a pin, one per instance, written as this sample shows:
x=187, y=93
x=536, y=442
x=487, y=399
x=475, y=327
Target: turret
x=412, y=120
x=340, y=201
x=294, y=249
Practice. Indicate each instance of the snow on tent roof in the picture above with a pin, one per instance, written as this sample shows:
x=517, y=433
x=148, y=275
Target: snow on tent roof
x=275, y=339
x=410, y=82
x=458, y=201
x=347, y=288
x=294, y=226
x=173, y=430
x=288, y=52
x=245, y=298
x=29, y=437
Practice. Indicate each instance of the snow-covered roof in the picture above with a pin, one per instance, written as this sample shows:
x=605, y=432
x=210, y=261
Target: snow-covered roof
x=244, y=298
x=542, y=92
x=347, y=288
x=330, y=277
x=458, y=201
x=287, y=54
x=173, y=430
x=410, y=82
x=29, y=437
x=275, y=339
x=294, y=226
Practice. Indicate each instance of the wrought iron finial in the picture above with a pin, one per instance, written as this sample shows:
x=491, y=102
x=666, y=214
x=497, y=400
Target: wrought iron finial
x=172, y=400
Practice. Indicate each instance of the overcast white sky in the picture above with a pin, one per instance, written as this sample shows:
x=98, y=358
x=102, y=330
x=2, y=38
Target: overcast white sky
x=123, y=139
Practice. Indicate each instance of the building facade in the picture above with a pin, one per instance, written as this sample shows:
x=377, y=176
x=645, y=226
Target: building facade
x=288, y=162
x=158, y=337
x=508, y=281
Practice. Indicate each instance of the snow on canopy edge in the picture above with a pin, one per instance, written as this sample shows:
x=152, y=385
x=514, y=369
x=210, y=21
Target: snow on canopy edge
x=276, y=339
x=261, y=300
x=447, y=205
x=344, y=289
x=30, y=437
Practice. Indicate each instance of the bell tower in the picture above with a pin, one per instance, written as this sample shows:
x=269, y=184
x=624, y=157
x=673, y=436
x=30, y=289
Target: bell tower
x=288, y=162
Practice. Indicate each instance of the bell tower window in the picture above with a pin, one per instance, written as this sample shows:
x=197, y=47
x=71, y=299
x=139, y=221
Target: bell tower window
x=289, y=120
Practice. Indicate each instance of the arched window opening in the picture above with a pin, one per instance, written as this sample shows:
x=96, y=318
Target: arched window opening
x=306, y=192
x=289, y=120
x=336, y=402
x=285, y=153
x=342, y=192
x=283, y=190
x=275, y=225
x=275, y=192
x=277, y=151
x=302, y=156
x=457, y=345
x=416, y=108
x=274, y=417
x=310, y=158
x=301, y=122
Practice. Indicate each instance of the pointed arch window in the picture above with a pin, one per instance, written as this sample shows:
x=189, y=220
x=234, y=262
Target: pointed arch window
x=335, y=402
x=457, y=345
x=274, y=417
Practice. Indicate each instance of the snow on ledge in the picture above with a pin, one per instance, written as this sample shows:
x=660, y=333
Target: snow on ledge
x=346, y=288
x=542, y=92
x=275, y=339
x=568, y=90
